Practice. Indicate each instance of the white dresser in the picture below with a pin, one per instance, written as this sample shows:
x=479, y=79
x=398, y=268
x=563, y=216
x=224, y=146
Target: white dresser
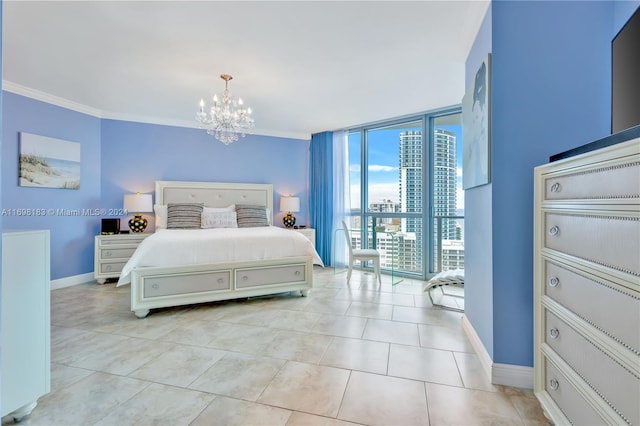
x=26, y=331
x=587, y=287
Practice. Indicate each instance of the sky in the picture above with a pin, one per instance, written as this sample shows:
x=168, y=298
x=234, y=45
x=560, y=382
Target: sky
x=383, y=165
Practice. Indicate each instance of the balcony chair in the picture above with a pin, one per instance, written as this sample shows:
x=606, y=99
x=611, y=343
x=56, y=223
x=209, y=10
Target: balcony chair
x=362, y=255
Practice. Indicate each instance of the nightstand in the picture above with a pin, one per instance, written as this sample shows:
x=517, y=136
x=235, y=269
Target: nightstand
x=112, y=252
x=310, y=233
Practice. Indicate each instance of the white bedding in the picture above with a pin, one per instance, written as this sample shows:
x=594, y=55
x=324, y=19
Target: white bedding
x=177, y=247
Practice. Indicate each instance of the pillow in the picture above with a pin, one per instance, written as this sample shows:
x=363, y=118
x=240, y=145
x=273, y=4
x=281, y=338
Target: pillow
x=251, y=216
x=161, y=215
x=184, y=215
x=231, y=208
x=219, y=219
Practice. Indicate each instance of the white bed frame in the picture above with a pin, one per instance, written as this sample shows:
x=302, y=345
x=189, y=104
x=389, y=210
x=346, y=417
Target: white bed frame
x=160, y=287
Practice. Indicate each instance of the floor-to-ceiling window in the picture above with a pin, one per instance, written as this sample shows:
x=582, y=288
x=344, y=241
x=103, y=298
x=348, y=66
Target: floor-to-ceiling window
x=406, y=192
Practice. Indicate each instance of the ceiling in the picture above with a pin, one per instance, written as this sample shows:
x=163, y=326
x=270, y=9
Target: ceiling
x=302, y=66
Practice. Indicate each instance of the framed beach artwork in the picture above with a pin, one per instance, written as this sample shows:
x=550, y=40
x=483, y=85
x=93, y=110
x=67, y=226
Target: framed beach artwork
x=476, y=128
x=49, y=163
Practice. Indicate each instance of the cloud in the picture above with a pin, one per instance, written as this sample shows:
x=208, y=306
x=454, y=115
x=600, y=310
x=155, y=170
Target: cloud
x=354, y=168
x=381, y=168
x=377, y=193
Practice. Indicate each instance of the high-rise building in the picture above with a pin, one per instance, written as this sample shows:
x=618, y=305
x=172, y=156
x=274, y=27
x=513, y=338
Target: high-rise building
x=410, y=168
x=444, y=180
x=411, y=161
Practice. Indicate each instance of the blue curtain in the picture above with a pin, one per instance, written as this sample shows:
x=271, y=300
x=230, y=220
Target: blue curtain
x=321, y=192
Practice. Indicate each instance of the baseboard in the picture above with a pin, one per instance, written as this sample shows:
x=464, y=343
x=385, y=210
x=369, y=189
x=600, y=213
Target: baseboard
x=73, y=280
x=500, y=374
x=481, y=351
x=517, y=376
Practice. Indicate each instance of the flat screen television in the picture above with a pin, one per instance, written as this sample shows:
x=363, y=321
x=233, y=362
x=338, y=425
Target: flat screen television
x=625, y=76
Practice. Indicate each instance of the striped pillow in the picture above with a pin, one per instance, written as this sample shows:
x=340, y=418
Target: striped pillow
x=251, y=216
x=184, y=215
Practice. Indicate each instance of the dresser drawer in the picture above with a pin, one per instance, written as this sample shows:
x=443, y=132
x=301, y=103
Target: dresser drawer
x=609, y=241
x=616, y=385
x=116, y=253
x=573, y=406
x=598, y=303
x=252, y=277
x=614, y=180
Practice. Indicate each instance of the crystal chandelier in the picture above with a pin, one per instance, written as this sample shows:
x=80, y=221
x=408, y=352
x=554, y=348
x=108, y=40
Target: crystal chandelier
x=225, y=119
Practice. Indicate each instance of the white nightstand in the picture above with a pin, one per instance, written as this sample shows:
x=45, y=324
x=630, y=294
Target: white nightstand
x=112, y=252
x=310, y=233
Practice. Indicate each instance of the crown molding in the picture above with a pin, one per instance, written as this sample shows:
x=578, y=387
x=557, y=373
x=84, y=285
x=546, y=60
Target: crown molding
x=50, y=99
x=106, y=115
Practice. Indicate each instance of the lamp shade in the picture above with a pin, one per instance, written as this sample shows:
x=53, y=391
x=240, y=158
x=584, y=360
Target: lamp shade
x=289, y=204
x=138, y=203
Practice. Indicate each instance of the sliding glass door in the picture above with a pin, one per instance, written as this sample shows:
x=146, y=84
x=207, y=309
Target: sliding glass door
x=404, y=190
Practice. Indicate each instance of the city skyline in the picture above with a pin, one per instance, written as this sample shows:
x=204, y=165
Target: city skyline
x=383, y=168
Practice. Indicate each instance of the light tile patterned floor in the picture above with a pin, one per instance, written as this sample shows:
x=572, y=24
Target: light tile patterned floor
x=356, y=354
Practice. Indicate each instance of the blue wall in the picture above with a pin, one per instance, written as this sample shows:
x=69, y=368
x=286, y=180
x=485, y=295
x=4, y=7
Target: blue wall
x=135, y=155
x=478, y=222
x=119, y=157
x=550, y=92
x=71, y=237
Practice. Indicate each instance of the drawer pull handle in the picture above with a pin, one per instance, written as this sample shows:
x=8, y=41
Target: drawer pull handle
x=107, y=254
x=296, y=273
x=555, y=187
x=553, y=383
x=554, y=281
x=245, y=278
x=108, y=267
x=554, y=230
x=155, y=286
x=554, y=333
x=220, y=280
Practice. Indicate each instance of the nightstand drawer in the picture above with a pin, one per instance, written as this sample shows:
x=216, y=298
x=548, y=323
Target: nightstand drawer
x=112, y=268
x=117, y=253
x=121, y=240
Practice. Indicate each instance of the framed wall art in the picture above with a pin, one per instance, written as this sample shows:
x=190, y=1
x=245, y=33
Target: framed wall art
x=476, y=128
x=48, y=163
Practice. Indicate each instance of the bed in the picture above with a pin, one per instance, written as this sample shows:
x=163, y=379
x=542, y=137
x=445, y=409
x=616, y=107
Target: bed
x=187, y=276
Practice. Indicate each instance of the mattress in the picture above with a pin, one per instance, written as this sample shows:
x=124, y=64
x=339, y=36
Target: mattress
x=181, y=247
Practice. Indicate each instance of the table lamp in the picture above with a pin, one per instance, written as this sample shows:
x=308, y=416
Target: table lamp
x=289, y=204
x=138, y=203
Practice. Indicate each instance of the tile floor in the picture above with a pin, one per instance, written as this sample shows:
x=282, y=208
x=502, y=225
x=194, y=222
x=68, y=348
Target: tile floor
x=357, y=354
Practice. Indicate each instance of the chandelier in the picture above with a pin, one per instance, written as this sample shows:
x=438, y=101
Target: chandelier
x=225, y=119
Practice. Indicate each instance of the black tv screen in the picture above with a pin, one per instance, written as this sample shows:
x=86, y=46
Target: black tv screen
x=625, y=76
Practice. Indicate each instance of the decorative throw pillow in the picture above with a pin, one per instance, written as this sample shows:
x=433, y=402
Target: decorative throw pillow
x=251, y=216
x=212, y=219
x=184, y=215
x=161, y=215
x=231, y=208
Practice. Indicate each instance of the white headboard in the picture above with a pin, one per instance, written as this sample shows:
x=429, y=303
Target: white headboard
x=215, y=194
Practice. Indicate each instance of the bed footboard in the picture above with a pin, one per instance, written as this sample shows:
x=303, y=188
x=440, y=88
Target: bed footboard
x=161, y=287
